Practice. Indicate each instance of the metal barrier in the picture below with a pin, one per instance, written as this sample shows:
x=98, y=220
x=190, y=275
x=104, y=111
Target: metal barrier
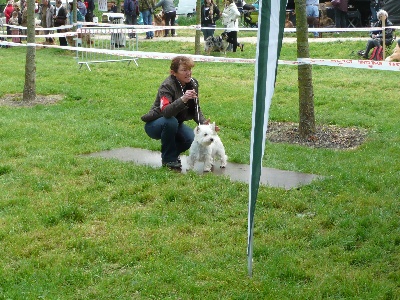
x=115, y=36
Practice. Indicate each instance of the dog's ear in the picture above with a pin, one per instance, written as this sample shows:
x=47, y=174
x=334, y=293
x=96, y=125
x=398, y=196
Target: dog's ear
x=212, y=125
x=197, y=130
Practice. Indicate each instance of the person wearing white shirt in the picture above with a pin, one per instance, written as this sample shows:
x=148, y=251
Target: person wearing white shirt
x=230, y=18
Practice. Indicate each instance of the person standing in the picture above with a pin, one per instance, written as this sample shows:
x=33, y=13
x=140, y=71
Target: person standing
x=17, y=8
x=375, y=6
x=146, y=8
x=131, y=11
x=209, y=15
x=177, y=101
x=170, y=14
x=81, y=7
x=341, y=14
x=8, y=14
x=60, y=19
x=24, y=18
x=14, y=20
x=230, y=16
x=89, y=10
x=312, y=10
x=79, y=16
x=46, y=12
x=113, y=7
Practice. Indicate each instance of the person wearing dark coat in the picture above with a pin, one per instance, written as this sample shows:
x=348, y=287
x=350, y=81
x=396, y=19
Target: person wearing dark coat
x=209, y=15
x=176, y=102
x=90, y=9
x=131, y=11
x=113, y=7
x=341, y=14
x=60, y=19
x=375, y=6
x=376, y=39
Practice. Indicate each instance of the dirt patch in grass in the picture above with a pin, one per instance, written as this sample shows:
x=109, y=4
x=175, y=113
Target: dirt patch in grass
x=16, y=100
x=325, y=136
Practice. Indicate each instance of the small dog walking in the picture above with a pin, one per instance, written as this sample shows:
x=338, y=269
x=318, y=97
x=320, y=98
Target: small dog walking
x=219, y=43
x=206, y=147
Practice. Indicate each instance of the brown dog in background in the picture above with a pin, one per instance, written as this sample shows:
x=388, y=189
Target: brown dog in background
x=159, y=20
x=288, y=23
x=324, y=20
x=83, y=36
x=313, y=22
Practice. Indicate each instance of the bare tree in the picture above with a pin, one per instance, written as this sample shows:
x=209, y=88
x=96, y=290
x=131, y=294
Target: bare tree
x=306, y=92
x=30, y=63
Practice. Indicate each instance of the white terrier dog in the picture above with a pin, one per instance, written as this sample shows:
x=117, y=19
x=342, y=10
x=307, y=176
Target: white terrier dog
x=206, y=147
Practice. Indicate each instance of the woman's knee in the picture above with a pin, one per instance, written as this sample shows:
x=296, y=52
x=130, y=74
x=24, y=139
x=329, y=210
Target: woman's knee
x=154, y=129
x=171, y=123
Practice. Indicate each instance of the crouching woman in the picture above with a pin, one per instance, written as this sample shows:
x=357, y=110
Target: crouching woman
x=176, y=102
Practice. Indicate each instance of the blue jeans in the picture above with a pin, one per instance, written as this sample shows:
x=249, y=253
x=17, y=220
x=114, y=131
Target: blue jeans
x=340, y=18
x=208, y=32
x=374, y=9
x=313, y=11
x=148, y=20
x=131, y=20
x=175, y=138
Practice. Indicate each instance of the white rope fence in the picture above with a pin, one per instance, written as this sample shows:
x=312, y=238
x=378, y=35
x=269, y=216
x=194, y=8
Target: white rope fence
x=95, y=43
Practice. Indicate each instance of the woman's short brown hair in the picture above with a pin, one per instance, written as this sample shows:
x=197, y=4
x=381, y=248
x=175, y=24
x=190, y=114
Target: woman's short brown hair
x=181, y=60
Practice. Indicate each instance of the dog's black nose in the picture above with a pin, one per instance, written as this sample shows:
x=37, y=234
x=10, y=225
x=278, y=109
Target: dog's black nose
x=212, y=140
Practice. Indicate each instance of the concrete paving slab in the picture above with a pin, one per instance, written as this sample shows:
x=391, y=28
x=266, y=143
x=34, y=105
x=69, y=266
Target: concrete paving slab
x=236, y=172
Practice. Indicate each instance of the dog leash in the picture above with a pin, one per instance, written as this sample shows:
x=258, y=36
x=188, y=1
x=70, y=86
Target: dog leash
x=196, y=101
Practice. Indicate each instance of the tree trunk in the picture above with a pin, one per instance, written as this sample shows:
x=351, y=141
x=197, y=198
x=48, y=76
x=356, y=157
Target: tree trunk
x=306, y=92
x=30, y=63
x=75, y=15
x=198, y=31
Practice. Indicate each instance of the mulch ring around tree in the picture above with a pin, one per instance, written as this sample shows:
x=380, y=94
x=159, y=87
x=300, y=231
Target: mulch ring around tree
x=16, y=100
x=325, y=136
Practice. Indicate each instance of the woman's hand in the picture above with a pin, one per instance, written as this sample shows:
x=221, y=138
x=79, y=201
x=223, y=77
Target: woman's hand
x=189, y=94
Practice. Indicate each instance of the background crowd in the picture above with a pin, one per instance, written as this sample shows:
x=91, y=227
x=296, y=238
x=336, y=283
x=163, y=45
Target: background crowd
x=59, y=15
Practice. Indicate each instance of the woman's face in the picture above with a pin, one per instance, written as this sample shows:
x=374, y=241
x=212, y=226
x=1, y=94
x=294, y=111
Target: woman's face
x=184, y=74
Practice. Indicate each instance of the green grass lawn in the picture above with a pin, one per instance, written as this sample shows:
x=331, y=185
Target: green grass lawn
x=74, y=227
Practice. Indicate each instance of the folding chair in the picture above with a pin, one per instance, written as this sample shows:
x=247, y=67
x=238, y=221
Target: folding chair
x=354, y=18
